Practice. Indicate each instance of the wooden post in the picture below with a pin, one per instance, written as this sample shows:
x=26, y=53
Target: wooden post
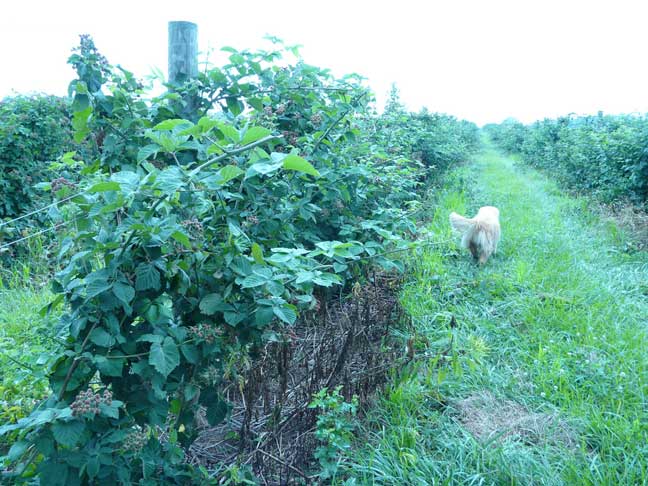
x=183, y=51
x=183, y=63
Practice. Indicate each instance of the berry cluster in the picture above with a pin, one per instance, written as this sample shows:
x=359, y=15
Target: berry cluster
x=251, y=220
x=136, y=440
x=60, y=183
x=89, y=401
x=204, y=332
x=193, y=225
x=210, y=376
x=316, y=119
x=290, y=136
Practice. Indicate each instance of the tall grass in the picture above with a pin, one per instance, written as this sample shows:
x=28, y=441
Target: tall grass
x=25, y=335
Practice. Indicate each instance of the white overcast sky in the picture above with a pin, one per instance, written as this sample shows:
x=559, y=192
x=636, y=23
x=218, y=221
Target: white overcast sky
x=480, y=60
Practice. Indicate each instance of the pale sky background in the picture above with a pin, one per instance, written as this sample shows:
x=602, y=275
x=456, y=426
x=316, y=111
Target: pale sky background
x=479, y=60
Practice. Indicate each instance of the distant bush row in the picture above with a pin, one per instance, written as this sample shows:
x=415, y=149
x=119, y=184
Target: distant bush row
x=604, y=155
x=34, y=130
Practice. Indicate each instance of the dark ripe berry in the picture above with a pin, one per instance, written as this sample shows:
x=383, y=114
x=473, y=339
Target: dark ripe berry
x=107, y=397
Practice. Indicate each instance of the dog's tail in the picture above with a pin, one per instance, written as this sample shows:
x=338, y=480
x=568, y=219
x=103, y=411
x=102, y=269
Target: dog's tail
x=469, y=228
x=461, y=223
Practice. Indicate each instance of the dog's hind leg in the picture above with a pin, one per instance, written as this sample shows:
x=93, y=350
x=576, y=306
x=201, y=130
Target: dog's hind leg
x=474, y=249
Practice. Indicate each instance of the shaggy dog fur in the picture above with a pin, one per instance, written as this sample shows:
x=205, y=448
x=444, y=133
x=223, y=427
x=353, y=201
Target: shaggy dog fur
x=479, y=234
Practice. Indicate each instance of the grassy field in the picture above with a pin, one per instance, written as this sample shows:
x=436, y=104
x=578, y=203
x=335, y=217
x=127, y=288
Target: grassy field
x=530, y=370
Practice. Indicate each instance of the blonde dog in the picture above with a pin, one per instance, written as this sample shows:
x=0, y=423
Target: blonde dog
x=479, y=234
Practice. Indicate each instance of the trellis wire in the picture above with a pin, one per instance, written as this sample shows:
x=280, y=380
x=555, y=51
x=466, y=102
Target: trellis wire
x=40, y=210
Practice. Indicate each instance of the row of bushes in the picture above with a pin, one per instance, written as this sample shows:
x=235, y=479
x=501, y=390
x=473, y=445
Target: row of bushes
x=604, y=155
x=34, y=131
x=196, y=242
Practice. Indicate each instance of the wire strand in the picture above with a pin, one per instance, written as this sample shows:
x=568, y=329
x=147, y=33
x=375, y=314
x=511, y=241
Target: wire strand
x=36, y=211
x=33, y=235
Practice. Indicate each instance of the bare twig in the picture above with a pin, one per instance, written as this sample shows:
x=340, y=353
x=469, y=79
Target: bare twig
x=283, y=463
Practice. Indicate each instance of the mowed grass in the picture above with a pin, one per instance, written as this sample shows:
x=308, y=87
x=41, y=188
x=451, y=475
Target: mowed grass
x=555, y=326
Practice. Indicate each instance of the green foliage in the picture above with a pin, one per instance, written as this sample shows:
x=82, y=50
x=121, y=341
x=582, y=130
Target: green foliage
x=25, y=341
x=335, y=426
x=34, y=131
x=508, y=135
x=603, y=155
x=193, y=242
x=439, y=141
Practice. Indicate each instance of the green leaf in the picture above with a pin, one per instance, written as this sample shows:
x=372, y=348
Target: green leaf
x=254, y=134
x=81, y=102
x=257, y=253
x=68, y=434
x=150, y=338
x=164, y=357
x=229, y=172
x=171, y=124
x=286, y=313
x=276, y=288
x=105, y=186
x=217, y=411
x=80, y=124
x=170, y=179
x=128, y=180
x=96, y=287
x=340, y=267
x=36, y=418
x=263, y=168
x=256, y=103
x=295, y=162
x=327, y=279
x=101, y=337
x=147, y=277
x=146, y=151
x=17, y=450
x=230, y=132
x=181, y=238
x=210, y=304
x=234, y=106
x=92, y=466
x=111, y=410
x=206, y=123
x=234, y=318
x=123, y=292
x=258, y=277
x=109, y=366
x=190, y=353
x=263, y=316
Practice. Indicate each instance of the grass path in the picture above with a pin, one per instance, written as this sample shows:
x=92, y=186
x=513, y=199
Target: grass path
x=539, y=360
